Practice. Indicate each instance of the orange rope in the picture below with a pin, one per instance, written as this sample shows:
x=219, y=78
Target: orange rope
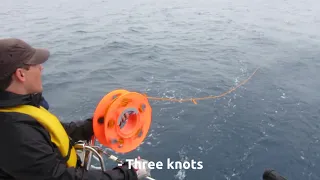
x=194, y=100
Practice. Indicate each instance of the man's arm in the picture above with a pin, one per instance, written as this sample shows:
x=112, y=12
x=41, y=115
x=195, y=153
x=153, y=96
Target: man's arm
x=82, y=129
x=79, y=130
x=27, y=155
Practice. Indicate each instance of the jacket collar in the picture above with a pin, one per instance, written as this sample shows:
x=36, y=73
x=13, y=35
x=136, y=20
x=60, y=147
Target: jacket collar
x=9, y=99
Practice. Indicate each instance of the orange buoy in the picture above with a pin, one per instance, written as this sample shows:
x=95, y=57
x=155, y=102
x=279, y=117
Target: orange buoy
x=110, y=112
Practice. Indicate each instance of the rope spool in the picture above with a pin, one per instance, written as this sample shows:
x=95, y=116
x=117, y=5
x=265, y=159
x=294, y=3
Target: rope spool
x=109, y=114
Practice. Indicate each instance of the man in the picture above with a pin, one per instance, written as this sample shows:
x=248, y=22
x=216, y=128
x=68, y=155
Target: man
x=34, y=143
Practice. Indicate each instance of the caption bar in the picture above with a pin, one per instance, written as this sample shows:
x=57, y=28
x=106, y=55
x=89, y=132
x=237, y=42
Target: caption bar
x=137, y=164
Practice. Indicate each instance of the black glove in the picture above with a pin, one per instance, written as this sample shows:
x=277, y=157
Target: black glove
x=79, y=130
x=272, y=175
x=88, y=126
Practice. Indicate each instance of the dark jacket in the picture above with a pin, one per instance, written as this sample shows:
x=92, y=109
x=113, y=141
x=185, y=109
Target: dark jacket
x=26, y=152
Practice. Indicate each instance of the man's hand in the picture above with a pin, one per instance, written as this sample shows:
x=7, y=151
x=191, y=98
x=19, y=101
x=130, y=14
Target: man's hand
x=145, y=171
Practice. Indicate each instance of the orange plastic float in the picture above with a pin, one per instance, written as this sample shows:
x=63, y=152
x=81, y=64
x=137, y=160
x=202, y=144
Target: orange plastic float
x=109, y=113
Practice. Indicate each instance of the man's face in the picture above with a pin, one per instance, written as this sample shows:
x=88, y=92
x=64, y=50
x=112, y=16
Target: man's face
x=33, y=82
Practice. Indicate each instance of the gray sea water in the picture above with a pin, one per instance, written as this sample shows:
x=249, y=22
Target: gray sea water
x=183, y=49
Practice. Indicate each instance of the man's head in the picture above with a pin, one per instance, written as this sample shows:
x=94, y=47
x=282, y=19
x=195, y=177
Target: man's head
x=21, y=66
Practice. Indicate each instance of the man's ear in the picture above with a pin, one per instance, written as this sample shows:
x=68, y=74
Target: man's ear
x=20, y=75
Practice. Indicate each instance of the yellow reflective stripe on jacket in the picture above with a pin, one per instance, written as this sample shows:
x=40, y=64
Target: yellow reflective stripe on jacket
x=57, y=132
